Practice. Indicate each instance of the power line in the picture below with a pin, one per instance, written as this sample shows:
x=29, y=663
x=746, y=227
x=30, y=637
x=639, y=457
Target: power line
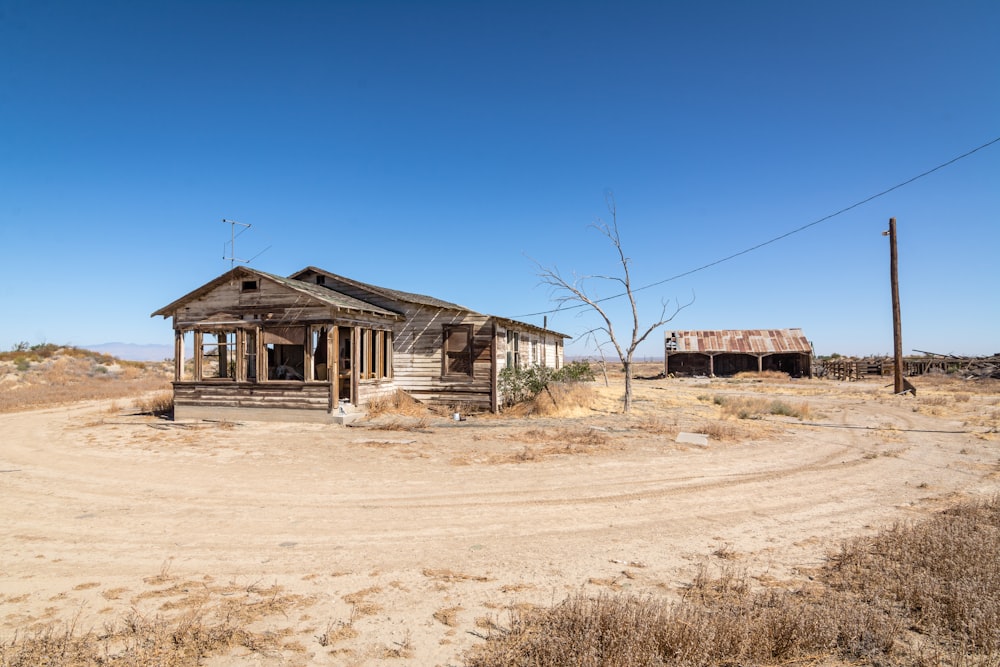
x=776, y=238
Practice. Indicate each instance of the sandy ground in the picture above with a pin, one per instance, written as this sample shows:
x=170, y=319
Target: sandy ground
x=416, y=539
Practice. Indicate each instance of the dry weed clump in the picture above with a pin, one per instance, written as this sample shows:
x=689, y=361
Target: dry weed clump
x=564, y=399
x=658, y=426
x=217, y=624
x=773, y=376
x=919, y=595
x=941, y=572
x=398, y=403
x=555, y=442
x=158, y=404
x=754, y=407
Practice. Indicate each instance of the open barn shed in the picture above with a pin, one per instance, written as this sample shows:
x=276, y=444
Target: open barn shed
x=731, y=351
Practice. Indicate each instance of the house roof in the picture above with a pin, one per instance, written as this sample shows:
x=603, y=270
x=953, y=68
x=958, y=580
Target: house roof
x=739, y=341
x=420, y=299
x=323, y=295
x=398, y=295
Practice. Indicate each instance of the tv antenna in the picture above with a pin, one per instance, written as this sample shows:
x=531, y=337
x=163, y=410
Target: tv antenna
x=233, y=224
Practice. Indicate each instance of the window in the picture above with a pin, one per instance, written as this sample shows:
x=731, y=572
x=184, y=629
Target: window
x=249, y=286
x=250, y=354
x=318, y=342
x=387, y=354
x=218, y=355
x=457, y=351
x=374, y=354
x=513, y=349
x=285, y=347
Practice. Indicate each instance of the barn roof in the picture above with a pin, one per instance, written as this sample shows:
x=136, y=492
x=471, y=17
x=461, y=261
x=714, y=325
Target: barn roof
x=739, y=341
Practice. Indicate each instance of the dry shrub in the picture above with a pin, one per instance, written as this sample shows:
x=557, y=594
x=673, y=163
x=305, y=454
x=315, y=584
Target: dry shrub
x=658, y=426
x=918, y=594
x=774, y=376
x=743, y=407
x=450, y=575
x=403, y=424
x=160, y=403
x=555, y=442
x=448, y=616
x=719, y=430
x=214, y=628
x=563, y=399
x=941, y=572
x=397, y=403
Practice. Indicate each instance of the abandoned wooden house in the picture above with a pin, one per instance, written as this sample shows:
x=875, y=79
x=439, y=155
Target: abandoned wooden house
x=727, y=352
x=266, y=347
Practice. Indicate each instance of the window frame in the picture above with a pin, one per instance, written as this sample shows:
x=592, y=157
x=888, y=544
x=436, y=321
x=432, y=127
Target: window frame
x=447, y=355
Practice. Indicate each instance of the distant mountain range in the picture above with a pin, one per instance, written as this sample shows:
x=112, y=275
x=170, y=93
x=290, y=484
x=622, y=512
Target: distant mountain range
x=133, y=351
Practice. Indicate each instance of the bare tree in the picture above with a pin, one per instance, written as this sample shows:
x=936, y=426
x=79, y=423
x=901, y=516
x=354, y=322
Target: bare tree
x=566, y=291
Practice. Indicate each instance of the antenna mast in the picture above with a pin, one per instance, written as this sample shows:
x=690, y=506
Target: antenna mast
x=232, y=242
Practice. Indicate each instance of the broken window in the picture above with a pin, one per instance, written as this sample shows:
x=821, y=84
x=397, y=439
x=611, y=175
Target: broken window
x=250, y=354
x=319, y=345
x=513, y=349
x=385, y=354
x=374, y=354
x=218, y=355
x=457, y=352
x=285, y=347
x=249, y=286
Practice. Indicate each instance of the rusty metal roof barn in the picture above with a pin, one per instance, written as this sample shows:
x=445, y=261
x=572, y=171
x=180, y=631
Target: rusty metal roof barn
x=731, y=351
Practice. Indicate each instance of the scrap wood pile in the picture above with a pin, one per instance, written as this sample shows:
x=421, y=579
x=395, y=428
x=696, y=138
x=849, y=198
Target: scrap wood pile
x=970, y=368
x=983, y=367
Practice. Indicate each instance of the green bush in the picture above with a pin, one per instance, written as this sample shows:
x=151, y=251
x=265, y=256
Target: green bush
x=22, y=364
x=522, y=384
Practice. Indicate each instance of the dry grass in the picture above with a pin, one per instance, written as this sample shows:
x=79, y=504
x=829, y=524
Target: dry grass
x=920, y=595
x=158, y=404
x=219, y=621
x=448, y=616
x=53, y=375
x=542, y=443
x=769, y=376
x=754, y=407
x=399, y=403
x=570, y=399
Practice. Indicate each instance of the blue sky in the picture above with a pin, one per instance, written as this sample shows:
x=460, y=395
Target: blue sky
x=440, y=147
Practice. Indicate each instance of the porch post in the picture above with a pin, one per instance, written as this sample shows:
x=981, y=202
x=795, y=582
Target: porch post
x=198, y=348
x=355, y=364
x=178, y=355
x=333, y=364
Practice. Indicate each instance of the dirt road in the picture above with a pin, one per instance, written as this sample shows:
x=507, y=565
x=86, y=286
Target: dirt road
x=414, y=538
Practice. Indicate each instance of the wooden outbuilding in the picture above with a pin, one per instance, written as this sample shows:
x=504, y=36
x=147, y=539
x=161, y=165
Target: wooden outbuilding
x=728, y=352
x=267, y=347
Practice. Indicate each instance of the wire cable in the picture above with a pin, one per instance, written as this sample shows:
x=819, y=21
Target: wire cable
x=775, y=239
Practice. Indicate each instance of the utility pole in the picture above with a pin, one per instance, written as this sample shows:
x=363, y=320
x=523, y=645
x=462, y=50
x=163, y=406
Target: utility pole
x=897, y=326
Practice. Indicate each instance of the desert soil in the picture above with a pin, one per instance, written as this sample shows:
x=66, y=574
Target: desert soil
x=402, y=546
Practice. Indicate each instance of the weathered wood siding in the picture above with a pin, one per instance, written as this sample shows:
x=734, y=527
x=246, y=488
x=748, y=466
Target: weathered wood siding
x=544, y=349
x=226, y=302
x=418, y=350
x=293, y=395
